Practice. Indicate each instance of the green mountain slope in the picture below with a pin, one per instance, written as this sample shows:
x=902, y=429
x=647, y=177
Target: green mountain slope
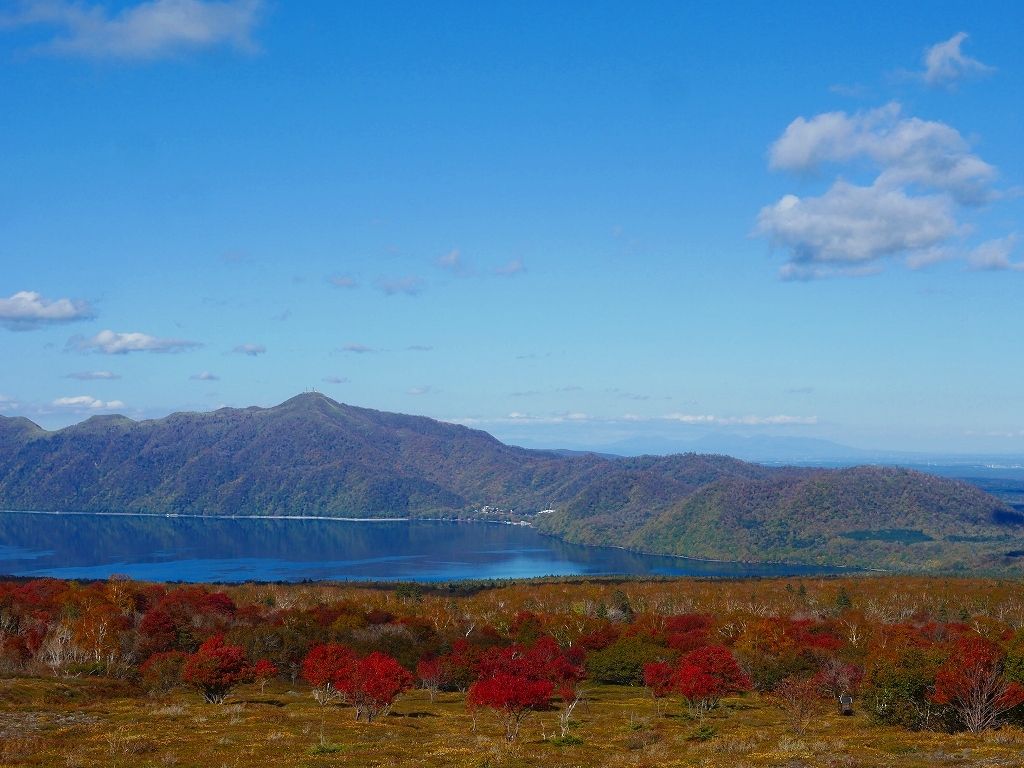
x=308, y=455
x=313, y=456
x=865, y=516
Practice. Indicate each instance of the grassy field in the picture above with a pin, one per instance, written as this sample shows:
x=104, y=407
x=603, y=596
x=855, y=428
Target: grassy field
x=85, y=722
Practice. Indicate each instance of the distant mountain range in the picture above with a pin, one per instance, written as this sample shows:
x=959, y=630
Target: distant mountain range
x=313, y=456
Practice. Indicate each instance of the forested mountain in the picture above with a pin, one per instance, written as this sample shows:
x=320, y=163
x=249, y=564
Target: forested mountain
x=313, y=456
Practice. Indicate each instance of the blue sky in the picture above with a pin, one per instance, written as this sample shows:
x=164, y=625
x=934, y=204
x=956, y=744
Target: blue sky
x=563, y=223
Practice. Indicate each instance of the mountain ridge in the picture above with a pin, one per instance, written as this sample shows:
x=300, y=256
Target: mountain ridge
x=313, y=456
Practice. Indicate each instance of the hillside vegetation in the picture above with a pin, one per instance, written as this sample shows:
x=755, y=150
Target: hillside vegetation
x=313, y=456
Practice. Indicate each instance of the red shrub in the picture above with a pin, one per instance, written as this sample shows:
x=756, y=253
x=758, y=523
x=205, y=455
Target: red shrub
x=971, y=682
x=512, y=697
x=264, y=671
x=216, y=668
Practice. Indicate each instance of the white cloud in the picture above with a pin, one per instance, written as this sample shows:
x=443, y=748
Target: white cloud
x=410, y=286
x=336, y=379
x=451, y=260
x=944, y=63
x=111, y=343
x=995, y=255
x=90, y=375
x=359, y=349
x=686, y=418
x=425, y=390
x=925, y=171
x=558, y=418
x=8, y=403
x=27, y=310
x=343, y=281
x=249, y=349
x=851, y=225
x=148, y=30
x=85, y=402
x=909, y=151
x=514, y=267
x=205, y=376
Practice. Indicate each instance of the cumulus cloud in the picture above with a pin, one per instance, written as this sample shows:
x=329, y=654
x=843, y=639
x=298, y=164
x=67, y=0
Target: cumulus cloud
x=149, y=30
x=90, y=375
x=343, y=281
x=514, y=267
x=249, y=349
x=944, y=62
x=410, y=286
x=359, y=349
x=27, y=310
x=995, y=255
x=854, y=225
x=205, y=376
x=686, y=418
x=925, y=172
x=336, y=379
x=908, y=151
x=86, y=403
x=111, y=343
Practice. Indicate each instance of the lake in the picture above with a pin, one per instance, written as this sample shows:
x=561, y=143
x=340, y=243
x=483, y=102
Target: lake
x=206, y=549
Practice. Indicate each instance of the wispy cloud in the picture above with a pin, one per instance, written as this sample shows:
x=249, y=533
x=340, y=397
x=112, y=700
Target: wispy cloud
x=557, y=418
x=28, y=310
x=205, y=376
x=409, y=286
x=687, y=418
x=252, y=350
x=111, y=343
x=90, y=375
x=425, y=390
x=149, y=30
x=359, y=349
x=336, y=379
x=995, y=255
x=86, y=403
x=419, y=348
x=8, y=403
x=343, y=281
x=800, y=390
x=451, y=260
x=944, y=63
x=514, y=267
x=573, y=388
x=925, y=172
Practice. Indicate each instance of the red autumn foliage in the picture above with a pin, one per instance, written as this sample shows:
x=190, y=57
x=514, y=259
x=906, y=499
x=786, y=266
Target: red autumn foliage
x=264, y=671
x=702, y=676
x=374, y=683
x=659, y=678
x=971, y=682
x=512, y=696
x=325, y=668
x=433, y=674
x=216, y=668
x=159, y=631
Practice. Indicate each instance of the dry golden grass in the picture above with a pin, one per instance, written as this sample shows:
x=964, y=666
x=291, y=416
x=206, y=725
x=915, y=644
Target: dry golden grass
x=83, y=723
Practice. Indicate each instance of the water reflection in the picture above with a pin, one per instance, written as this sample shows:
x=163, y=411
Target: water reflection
x=242, y=549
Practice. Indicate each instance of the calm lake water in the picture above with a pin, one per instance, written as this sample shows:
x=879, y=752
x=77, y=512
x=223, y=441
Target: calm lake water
x=244, y=549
